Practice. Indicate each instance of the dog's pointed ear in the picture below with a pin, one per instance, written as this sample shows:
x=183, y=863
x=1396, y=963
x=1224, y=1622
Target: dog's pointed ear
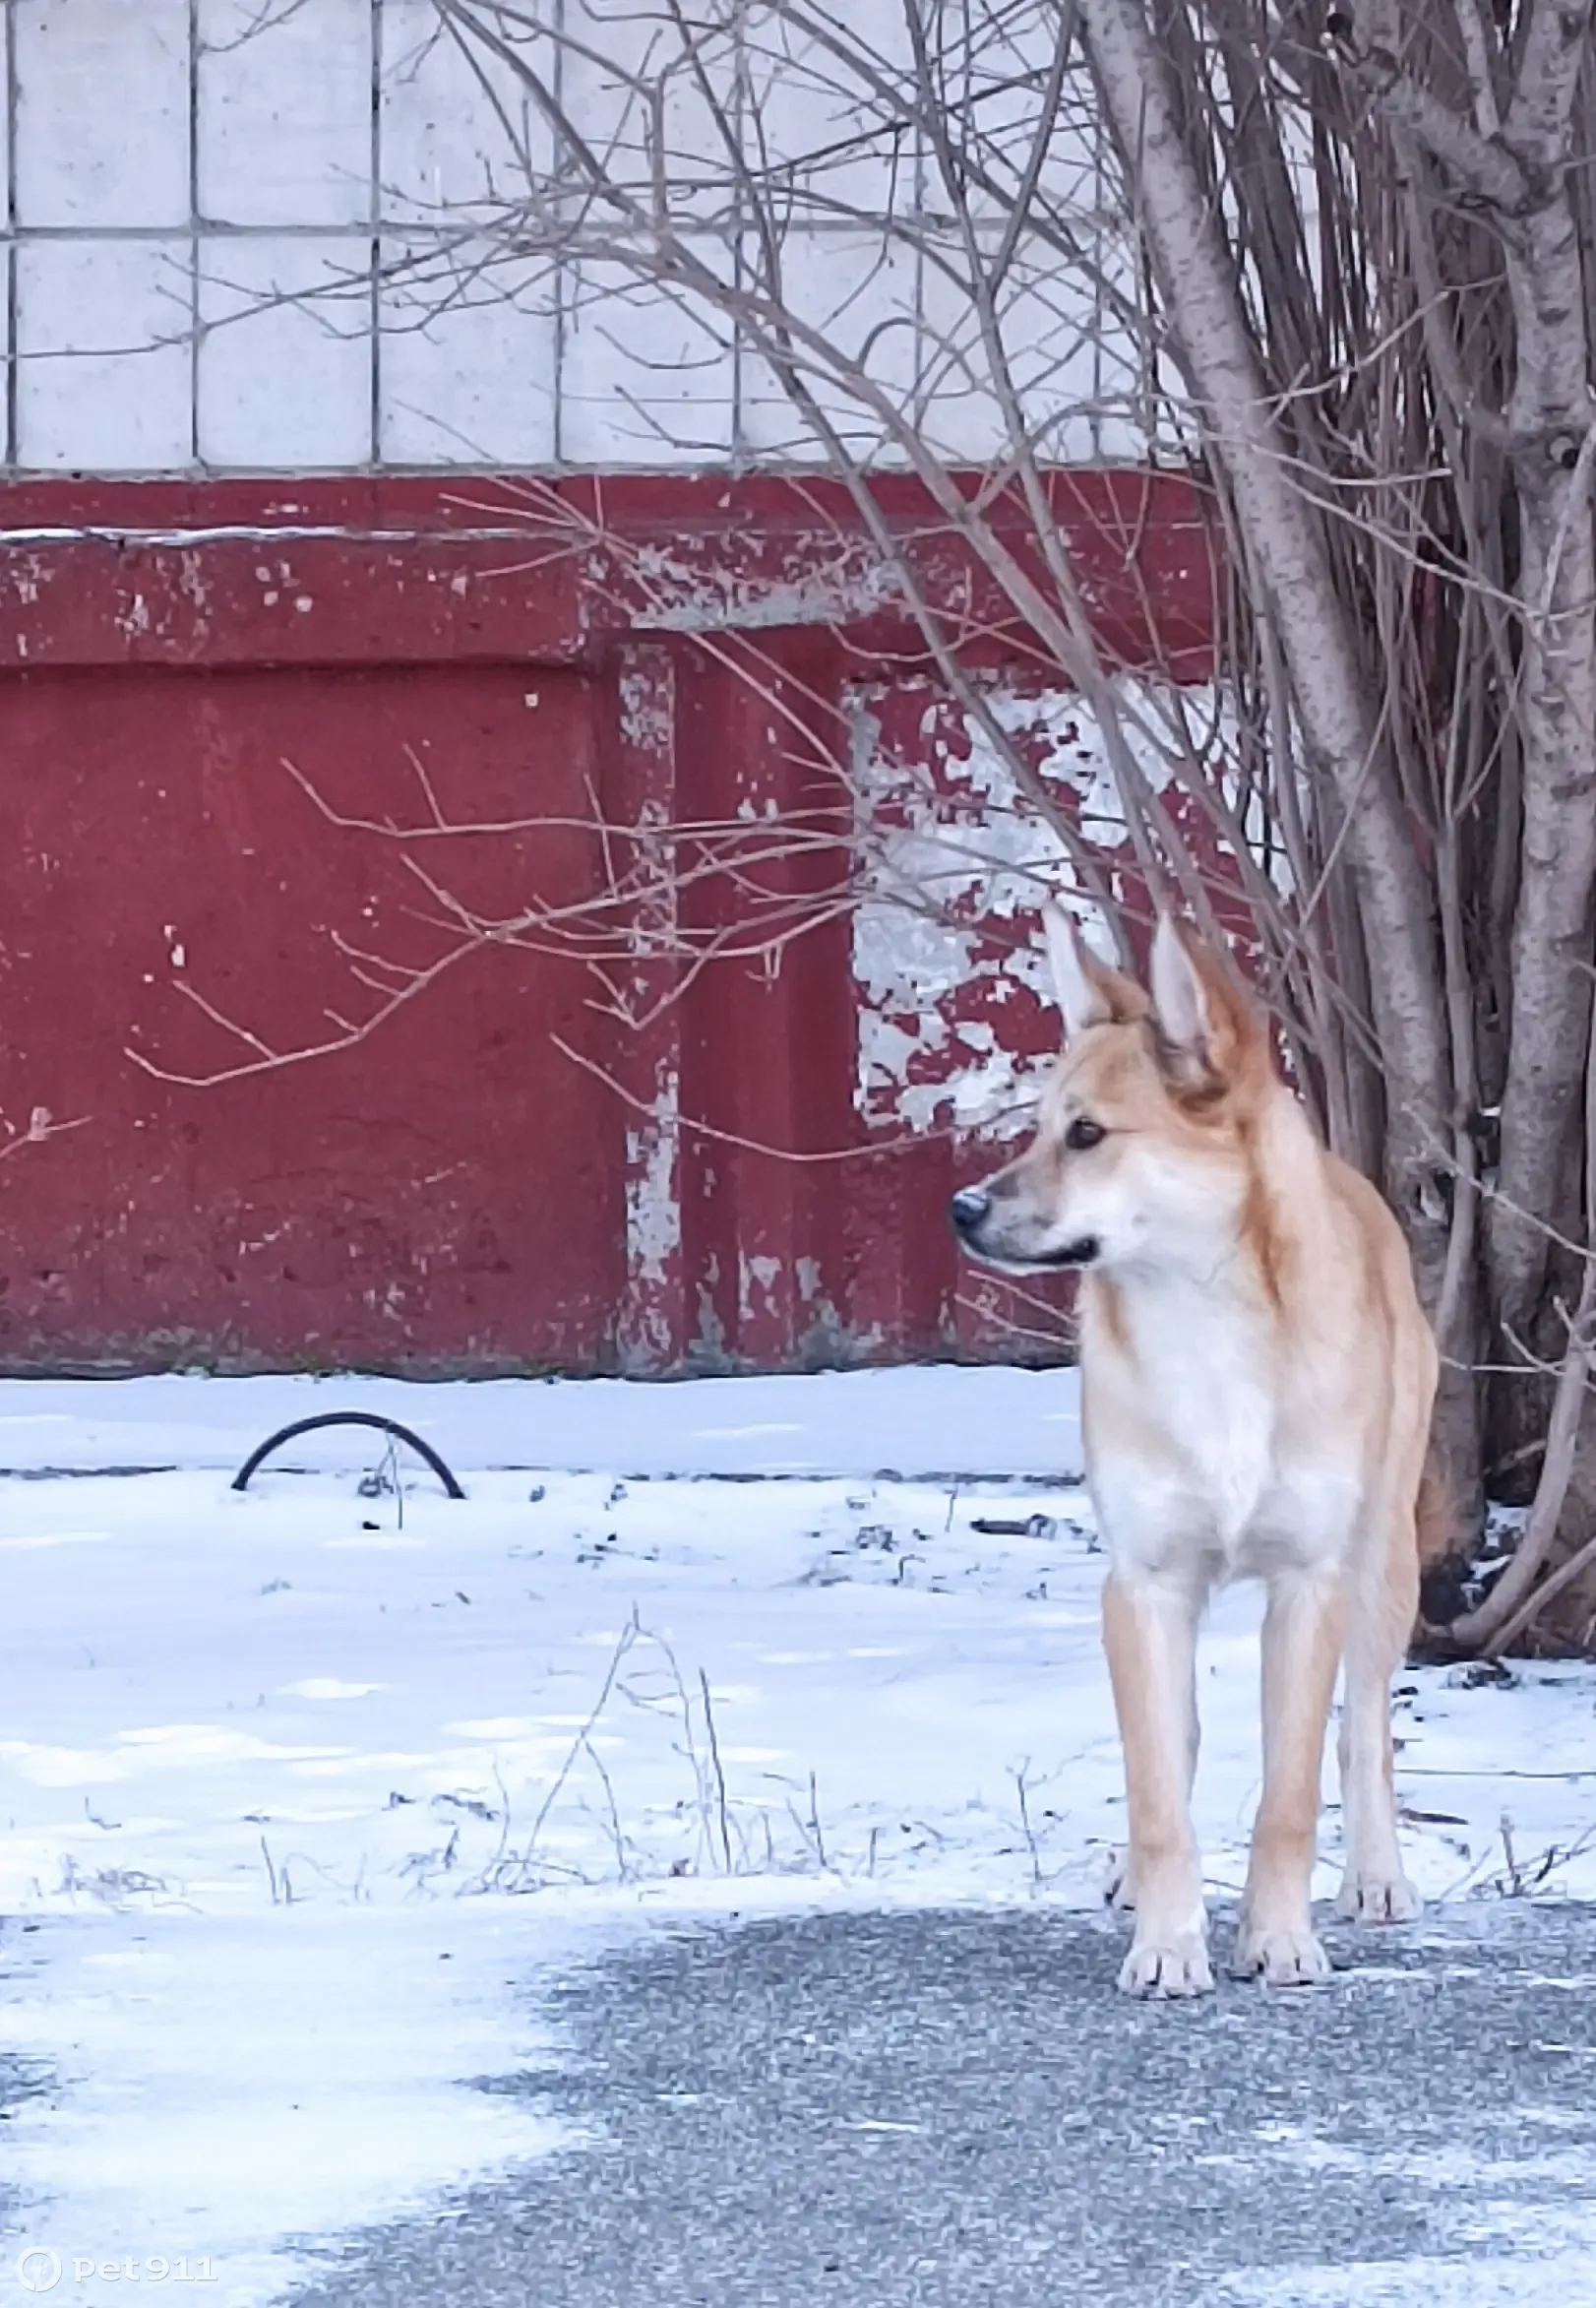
x=1180, y=996
x=1206, y=1023
x=1089, y=992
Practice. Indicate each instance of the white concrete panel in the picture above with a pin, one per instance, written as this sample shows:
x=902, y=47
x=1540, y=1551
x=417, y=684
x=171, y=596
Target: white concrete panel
x=647, y=376
x=1146, y=408
x=468, y=357
x=831, y=136
x=1047, y=326
x=5, y=158
x=285, y=112
x=467, y=372
x=989, y=73
x=284, y=371
x=857, y=294
x=6, y=261
x=103, y=112
x=629, y=84
x=104, y=339
x=446, y=142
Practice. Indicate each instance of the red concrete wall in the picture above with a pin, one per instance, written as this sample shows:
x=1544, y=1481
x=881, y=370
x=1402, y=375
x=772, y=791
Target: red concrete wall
x=457, y=1193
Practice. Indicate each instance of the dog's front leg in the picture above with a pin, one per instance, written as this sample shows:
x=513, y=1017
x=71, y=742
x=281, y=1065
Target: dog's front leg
x=1304, y=1631
x=1149, y=1631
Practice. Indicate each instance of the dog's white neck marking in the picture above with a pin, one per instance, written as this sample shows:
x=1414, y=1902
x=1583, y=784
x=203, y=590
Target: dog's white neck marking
x=1204, y=1349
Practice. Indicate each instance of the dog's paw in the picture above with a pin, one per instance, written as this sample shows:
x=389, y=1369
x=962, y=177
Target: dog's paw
x=1377, y=1899
x=1119, y=1886
x=1175, y=1967
x=1280, y=1957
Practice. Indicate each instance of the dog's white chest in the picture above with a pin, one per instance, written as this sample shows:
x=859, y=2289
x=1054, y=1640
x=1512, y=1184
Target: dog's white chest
x=1216, y=1406
x=1204, y=1395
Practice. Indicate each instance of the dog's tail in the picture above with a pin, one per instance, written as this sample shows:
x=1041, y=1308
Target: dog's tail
x=1441, y=1567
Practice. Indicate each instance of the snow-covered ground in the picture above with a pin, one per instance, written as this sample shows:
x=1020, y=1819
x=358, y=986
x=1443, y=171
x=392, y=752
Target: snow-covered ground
x=297, y=1789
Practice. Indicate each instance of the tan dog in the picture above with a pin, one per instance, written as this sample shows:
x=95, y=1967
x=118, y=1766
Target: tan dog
x=1258, y=1382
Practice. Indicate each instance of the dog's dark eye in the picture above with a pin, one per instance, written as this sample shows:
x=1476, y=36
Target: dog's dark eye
x=1082, y=1135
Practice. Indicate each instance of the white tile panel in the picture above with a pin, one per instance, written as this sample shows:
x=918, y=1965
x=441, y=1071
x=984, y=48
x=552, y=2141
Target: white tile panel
x=646, y=374
x=104, y=344
x=856, y=295
x=307, y=126
x=5, y=143
x=1046, y=326
x=448, y=141
x=988, y=73
x=103, y=112
x=285, y=112
x=284, y=367
x=468, y=347
x=1139, y=419
x=630, y=82
x=830, y=138
x=6, y=262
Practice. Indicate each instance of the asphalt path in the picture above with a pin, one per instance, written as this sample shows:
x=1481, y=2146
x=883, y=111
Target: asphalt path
x=953, y=2108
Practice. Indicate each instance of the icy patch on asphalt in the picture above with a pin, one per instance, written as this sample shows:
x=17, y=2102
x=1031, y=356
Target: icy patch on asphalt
x=1561, y=2282
x=1554, y=2271
x=1527, y=2219
x=227, y=2083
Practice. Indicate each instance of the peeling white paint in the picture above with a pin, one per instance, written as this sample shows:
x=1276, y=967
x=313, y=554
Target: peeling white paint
x=710, y=1341
x=653, y=1217
x=950, y=834
x=687, y=597
x=755, y=1274
x=191, y=580
x=647, y=710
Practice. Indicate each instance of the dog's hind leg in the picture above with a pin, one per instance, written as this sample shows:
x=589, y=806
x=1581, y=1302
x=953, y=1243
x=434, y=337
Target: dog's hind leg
x=1375, y=1887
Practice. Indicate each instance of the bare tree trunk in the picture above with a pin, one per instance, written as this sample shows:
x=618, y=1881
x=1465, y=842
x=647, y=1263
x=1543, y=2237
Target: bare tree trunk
x=1285, y=538
x=1516, y=178
x=1512, y=171
x=1550, y=441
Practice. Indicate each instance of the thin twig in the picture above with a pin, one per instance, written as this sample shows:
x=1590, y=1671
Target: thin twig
x=719, y=1775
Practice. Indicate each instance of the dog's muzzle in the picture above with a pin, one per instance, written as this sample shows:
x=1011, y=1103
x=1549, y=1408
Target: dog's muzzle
x=969, y=1211
x=1085, y=1250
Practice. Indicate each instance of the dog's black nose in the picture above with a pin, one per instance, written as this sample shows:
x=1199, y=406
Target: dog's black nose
x=967, y=1208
